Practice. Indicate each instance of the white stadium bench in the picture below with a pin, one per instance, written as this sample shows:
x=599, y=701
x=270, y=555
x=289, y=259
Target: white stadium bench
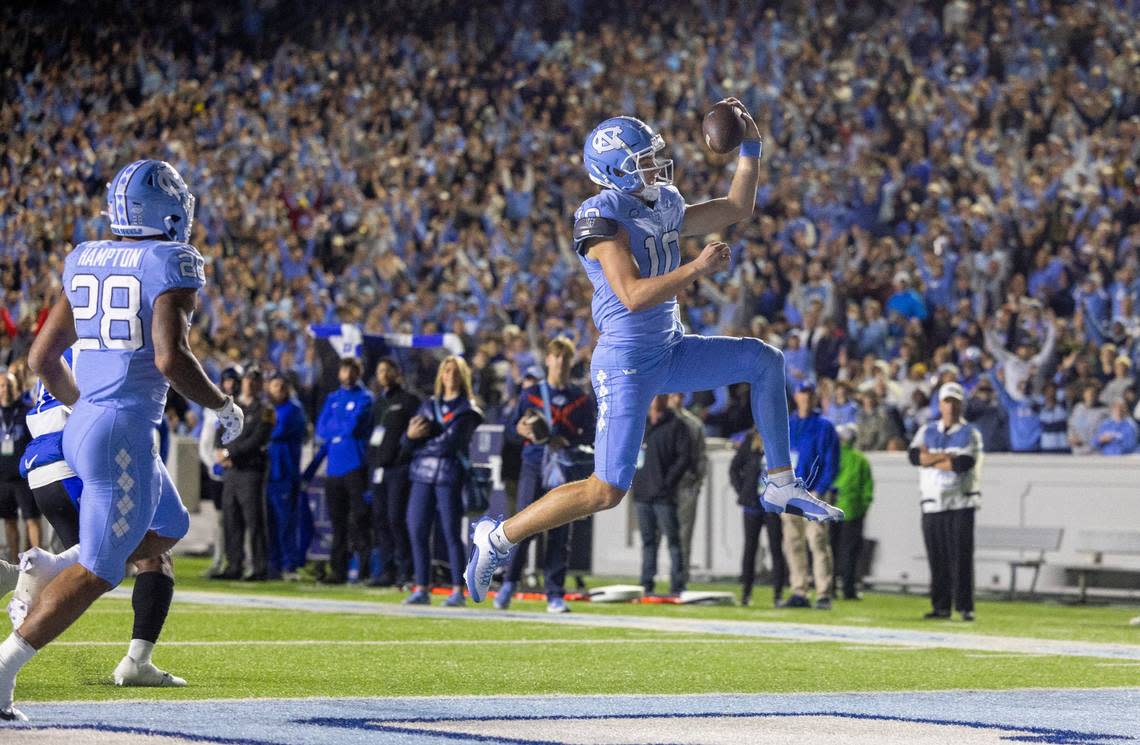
x=1098, y=544
x=1023, y=540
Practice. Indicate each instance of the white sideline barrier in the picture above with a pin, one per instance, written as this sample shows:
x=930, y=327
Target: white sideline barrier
x=1071, y=492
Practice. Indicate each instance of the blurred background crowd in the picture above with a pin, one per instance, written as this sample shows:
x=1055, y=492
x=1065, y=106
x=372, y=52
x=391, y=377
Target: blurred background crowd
x=949, y=191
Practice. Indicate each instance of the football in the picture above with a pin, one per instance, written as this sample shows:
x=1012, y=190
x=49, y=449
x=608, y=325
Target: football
x=539, y=424
x=723, y=128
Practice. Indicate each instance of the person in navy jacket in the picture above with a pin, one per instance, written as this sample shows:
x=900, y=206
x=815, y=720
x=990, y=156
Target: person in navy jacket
x=343, y=426
x=286, y=554
x=571, y=419
x=815, y=456
x=438, y=438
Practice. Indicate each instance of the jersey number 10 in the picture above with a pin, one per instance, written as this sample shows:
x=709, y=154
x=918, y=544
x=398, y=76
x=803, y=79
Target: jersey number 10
x=119, y=297
x=662, y=256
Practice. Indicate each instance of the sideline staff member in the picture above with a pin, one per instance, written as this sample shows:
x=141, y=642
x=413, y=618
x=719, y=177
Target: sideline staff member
x=949, y=452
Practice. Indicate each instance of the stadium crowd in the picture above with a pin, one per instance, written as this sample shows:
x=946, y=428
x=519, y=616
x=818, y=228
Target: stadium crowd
x=949, y=192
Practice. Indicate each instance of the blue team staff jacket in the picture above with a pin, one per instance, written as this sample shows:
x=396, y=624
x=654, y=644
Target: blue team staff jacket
x=439, y=458
x=344, y=425
x=815, y=451
x=286, y=441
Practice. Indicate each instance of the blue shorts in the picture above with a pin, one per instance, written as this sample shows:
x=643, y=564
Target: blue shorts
x=625, y=383
x=126, y=487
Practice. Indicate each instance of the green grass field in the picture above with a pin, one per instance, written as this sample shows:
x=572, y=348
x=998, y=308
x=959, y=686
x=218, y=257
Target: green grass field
x=244, y=652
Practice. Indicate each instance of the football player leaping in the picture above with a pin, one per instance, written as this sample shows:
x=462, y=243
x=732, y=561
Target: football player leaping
x=128, y=304
x=628, y=239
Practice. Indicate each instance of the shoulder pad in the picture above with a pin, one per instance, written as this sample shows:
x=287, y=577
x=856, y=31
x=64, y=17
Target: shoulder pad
x=593, y=227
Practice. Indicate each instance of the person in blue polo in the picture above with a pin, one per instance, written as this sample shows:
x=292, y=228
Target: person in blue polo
x=344, y=426
x=815, y=457
x=569, y=412
x=1117, y=435
x=283, y=489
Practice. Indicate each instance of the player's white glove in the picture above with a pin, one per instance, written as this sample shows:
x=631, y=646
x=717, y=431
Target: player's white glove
x=231, y=417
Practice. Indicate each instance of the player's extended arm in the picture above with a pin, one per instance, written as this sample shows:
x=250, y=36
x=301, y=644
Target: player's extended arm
x=717, y=214
x=46, y=355
x=640, y=293
x=170, y=326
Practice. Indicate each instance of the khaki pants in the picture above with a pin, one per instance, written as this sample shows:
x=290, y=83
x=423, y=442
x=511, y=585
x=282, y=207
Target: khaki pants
x=798, y=534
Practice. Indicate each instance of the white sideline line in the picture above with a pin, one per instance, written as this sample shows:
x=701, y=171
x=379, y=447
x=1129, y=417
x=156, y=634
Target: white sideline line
x=421, y=642
x=803, y=632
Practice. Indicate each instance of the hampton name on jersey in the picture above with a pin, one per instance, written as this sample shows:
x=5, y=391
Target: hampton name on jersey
x=112, y=287
x=655, y=242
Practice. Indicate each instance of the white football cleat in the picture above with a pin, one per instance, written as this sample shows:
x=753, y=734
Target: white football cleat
x=12, y=714
x=17, y=612
x=144, y=675
x=795, y=499
x=484, y=559
x=37, y=569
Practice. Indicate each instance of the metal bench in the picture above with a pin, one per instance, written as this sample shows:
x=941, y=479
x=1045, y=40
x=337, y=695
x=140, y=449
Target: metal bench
x=1022, y=540
x=1097, y=543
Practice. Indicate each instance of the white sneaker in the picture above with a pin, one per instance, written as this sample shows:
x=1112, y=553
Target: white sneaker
x=37, y=569
x=12, y=714
x=484, y=559
x=557, y=605
x=795, y=499
x=145, y=674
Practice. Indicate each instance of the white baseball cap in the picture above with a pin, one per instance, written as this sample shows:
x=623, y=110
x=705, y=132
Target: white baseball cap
x=951, y=390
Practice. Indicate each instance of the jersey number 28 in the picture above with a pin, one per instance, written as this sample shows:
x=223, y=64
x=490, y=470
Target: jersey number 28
x=119, y=297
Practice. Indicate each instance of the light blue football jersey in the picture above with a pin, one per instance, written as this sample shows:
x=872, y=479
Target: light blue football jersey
x=112, y=287
x=655, y=242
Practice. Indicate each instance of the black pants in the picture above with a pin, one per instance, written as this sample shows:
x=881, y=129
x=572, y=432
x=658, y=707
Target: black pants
x=653, y=519
x=846, y=545
x=557, y=539
x=390, y=523
x=56, y=505
x=753, y=524
x=351, y=521
x=243, y=508
x=776, y=550
x=949, y=538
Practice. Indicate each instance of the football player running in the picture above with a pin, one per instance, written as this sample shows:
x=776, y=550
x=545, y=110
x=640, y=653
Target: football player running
x=127, y=305
x=628, y=239
x=58, y=491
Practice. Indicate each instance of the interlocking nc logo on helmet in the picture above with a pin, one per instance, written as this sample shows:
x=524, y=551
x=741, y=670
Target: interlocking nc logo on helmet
x=608, y=139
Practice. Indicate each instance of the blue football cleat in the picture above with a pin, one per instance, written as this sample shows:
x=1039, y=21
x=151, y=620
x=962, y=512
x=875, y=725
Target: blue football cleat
x=455, y=600
x=557, y=604
x=484, y=559
x=419, y=597
x=795, y=499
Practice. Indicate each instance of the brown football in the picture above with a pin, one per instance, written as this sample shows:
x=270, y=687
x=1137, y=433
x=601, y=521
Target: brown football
x=723, y=128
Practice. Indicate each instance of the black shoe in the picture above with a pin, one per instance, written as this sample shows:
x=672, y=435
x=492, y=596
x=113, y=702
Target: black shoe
x=852, y=596
x=746, y=599
x=795, y=601
x=937, y=615
x=227, y=576
x=386, y=579
x=967, y=615
x=255, y=577
x=332, y=579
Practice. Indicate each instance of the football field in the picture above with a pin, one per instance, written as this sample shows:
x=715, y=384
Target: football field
x=280, y=642
x=300, y=663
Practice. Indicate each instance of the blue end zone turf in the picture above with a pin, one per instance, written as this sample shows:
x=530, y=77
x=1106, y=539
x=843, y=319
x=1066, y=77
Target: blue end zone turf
x=1097, y=717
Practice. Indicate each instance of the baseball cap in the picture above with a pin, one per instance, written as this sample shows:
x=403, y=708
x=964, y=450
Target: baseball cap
x=951, y=390
x=805, y=385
